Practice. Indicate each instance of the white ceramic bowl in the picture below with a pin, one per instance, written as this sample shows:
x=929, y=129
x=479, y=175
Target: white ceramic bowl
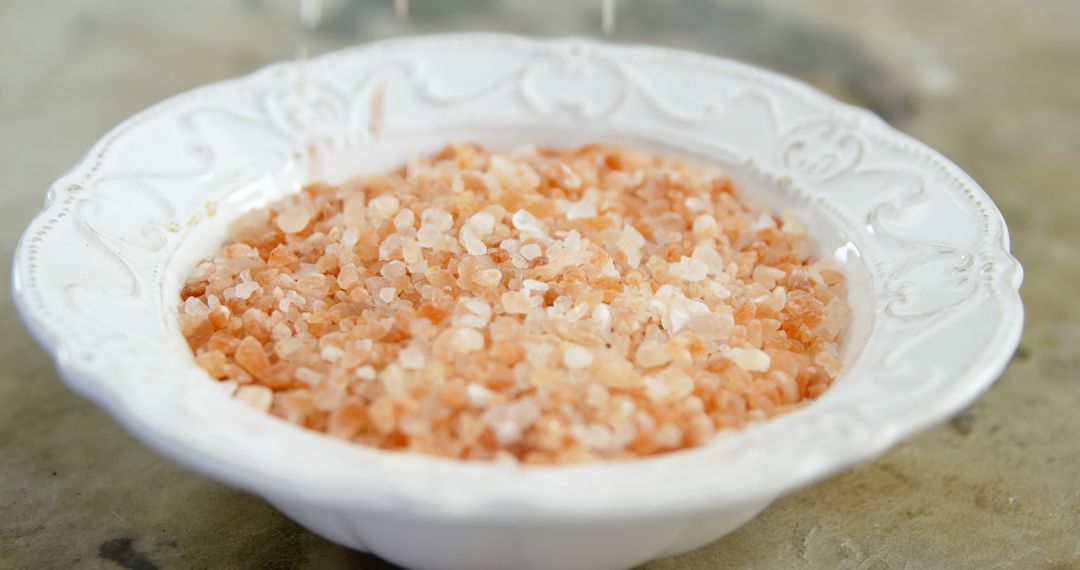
x=933, y=287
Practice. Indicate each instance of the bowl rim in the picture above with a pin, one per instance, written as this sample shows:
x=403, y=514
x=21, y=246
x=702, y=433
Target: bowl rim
x=519, y=491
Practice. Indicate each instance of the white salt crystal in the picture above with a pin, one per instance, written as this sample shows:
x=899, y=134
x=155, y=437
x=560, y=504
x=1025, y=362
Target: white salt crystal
x=577, y=357
x=383, y=207
x=530, y=251
x=411, y=358
x=527, y=222
x=750, y=359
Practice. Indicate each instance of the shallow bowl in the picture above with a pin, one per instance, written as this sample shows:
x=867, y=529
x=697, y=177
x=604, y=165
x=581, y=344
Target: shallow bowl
x=934, y=290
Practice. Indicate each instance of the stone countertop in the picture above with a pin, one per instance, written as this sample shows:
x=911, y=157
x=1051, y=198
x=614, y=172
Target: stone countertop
x=995, y=85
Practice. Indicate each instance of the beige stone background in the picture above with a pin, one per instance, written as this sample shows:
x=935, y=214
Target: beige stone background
x=994, y=84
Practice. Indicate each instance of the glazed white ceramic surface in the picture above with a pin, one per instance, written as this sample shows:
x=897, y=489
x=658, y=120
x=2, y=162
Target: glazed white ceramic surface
x=933, y=286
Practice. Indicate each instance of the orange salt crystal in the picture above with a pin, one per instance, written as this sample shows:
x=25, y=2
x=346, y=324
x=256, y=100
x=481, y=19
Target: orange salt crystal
x=251, y=356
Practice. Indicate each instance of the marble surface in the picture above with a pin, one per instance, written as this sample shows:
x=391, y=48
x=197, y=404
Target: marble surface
x=995, y=85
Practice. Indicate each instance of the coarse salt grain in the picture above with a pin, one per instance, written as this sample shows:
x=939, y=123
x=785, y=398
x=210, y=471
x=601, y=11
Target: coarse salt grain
x=577, y=357
x=751, y=359
x=527, y=222
x=412, y=358
x=530, y=251
x=293, y=220
x=383, y=207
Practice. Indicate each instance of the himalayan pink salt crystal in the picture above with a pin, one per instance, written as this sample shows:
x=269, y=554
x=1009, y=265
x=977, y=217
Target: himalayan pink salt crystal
x=679, y=383
x=656, y=389
x=830, y=363
x=348, y=276
x=412, y=358
x=246, y=289
x=767, y=276
x=594, y=435
x=530, y=251
x=293, y=219
x=479, y=396
x=668, y=436
x=383, y=207
x=383, y=415
x=411, y=252
x=258, y=397
x=472, y=244
x=387, y=294
x=251, y=356
x=705, y=226
x=751, y=359
x=355, y=211
x=630, y=243
x=307, y=375
x=466, y=340
x=581, y=210
x=331, y=353
x=516, y=302
x=534, y=285
x=404, y=220
x=366, y=372
x=349, y=238
x=393, y=270
x=488, y=278
x=509, y=421
x=481, y=224
x=777, y=299
x=473, y=313
x=441, y=220
x=651, y=355
x=428, y=235
x=348, y=420
x=689, y=269
x=527, y=222
x=711, y=327
x=577, y=357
